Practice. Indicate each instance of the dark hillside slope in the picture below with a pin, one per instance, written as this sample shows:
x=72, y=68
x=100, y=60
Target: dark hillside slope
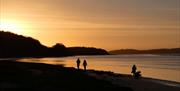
x=13, y=45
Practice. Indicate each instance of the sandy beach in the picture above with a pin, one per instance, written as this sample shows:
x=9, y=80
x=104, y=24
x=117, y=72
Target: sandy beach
x=21, y=76
x=45, y=77
x=142, y=84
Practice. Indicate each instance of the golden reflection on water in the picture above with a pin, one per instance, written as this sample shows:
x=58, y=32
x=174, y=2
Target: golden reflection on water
x=166, y=74
x=115, y=66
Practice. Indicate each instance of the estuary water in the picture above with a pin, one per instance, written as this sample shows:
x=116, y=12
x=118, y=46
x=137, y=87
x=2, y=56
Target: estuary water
x=163, y=67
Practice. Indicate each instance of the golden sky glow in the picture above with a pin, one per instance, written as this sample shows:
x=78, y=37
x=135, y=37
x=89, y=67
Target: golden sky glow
x=109, y=24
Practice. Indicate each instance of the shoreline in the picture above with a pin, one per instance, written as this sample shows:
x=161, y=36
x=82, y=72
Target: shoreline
x=160, y=81
x=23, y=76
x=147, y=76
x=163, y=81
x=150, y=78
x=104, y=78
x=144, y=83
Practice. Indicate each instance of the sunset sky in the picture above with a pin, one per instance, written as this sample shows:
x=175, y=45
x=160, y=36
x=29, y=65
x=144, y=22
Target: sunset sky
x=109, y=24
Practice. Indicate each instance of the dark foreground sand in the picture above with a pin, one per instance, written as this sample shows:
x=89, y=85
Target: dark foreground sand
x=20, y=76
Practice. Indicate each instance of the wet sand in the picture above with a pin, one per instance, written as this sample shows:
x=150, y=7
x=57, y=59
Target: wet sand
x=142, y=84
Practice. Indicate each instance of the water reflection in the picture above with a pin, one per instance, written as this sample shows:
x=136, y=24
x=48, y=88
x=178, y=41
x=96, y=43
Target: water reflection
x=161, y=67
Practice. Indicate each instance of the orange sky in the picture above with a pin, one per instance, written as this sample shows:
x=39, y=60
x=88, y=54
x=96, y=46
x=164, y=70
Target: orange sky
x=109, y=24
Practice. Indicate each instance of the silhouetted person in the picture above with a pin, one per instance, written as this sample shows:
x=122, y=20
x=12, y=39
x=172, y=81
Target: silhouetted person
x=135, y=73
x=85, y=64
x=78, y=63
x=134, y=68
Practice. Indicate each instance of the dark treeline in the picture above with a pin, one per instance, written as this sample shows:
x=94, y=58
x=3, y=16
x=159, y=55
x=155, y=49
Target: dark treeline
x=13, y=45
x=172, y=51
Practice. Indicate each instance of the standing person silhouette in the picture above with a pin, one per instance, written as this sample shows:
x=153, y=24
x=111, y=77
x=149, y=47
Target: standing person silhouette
x=134, y=68
x=78, y=63
x=85, y=64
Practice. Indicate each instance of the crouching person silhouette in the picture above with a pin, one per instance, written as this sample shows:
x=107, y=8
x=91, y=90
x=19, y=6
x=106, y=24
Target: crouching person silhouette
x=137, y=74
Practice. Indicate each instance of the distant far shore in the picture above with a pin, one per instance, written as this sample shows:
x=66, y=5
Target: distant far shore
x=164, y=51
x=18, y=46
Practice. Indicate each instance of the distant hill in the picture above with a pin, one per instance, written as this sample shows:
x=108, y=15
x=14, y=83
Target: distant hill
x=13, y=45
x=86, y=51
x=172, y=51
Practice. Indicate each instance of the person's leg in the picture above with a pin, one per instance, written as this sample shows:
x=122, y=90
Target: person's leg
x=78, y=66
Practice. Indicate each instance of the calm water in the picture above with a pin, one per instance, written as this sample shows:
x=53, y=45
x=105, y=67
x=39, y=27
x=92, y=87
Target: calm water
x=155, y=66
